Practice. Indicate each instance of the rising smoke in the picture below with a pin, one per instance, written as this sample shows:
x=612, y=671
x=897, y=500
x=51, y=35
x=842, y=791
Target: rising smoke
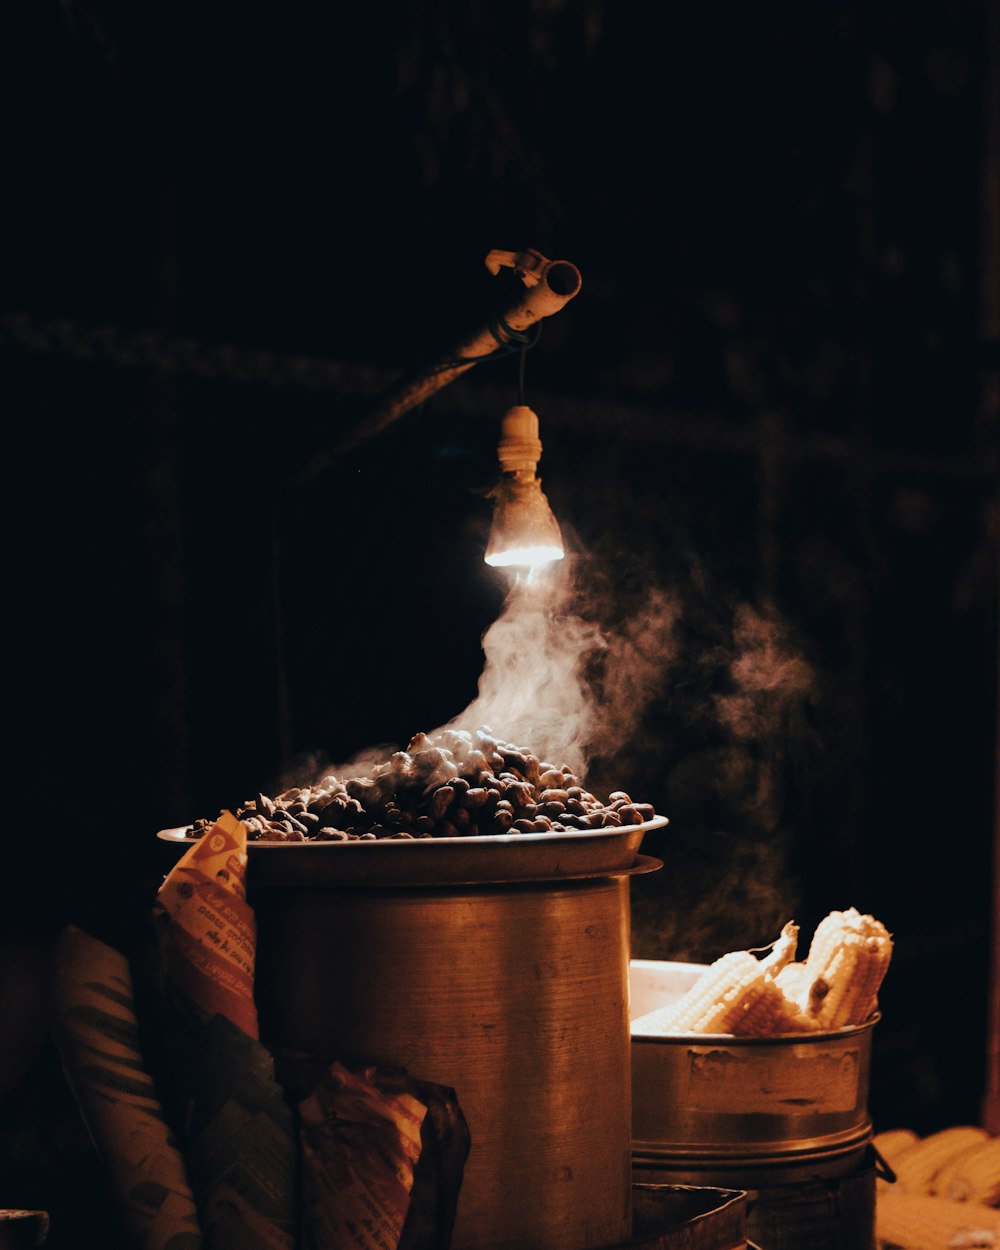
x=530, y=690
x=573, y=670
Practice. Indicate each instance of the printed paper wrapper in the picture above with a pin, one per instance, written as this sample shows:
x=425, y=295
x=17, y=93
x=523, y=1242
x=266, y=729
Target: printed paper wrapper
x=237, y=1127
x=382, y=1159
x=207, y=931
x=95, y=1028
x=241, y=1141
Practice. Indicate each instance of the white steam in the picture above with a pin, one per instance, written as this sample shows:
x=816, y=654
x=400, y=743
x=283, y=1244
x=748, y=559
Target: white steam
x=771, y=680
x=570, y=679
x=531, y=691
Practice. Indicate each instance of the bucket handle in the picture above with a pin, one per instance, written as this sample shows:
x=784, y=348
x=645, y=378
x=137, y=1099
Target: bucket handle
x=882, y=1169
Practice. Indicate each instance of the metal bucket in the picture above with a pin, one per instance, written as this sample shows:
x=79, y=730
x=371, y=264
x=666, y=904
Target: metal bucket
x=514, y=993
x=744, y=1111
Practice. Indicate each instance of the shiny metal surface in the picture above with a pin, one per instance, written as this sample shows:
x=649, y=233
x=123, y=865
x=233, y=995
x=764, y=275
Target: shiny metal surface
x=442, y=861
x=688, y=1218
x=515, y=995
x=715, y=1109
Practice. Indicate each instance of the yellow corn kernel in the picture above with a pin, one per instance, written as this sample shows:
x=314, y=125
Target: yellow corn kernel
x=917, y=1166
x=973, y=1176
x=924, y=1222
x=792, y=979
x=847, y=962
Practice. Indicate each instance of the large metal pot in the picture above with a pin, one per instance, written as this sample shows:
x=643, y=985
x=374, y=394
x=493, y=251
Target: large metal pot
x=513, y=992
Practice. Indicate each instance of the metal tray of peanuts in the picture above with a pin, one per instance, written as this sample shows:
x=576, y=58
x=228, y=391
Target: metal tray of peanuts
x=447, y=861
x=454, y=808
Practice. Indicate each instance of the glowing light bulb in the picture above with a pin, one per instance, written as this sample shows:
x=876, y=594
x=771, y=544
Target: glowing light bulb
x=524, y=532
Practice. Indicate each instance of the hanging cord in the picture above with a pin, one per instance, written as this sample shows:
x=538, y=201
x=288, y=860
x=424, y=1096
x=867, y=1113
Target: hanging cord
x=520, y=371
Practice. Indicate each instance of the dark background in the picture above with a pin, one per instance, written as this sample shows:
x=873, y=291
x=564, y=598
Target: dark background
x=229, y=227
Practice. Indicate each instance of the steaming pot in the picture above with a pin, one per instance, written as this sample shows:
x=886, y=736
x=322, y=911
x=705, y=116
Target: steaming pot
x=784, y=1119
x=514, y=992
x=744, y=1111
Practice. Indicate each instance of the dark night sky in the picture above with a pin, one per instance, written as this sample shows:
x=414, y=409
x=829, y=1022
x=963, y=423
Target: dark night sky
x=777, y=216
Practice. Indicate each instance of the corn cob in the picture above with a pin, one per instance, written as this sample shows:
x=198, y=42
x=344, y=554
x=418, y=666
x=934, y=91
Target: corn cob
x=923, y=1222
x=918, y=1165
x=973, y=1176
x=734, y=995
x=847, y=962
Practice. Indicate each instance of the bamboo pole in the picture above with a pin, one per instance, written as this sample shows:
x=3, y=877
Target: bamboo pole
x=549, y=286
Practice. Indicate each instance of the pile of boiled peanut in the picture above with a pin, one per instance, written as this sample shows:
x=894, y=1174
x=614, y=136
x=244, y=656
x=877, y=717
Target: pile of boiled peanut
x=455, y=784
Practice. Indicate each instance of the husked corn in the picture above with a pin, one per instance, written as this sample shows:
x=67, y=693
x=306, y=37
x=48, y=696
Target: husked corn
x=918, y=1165
x=733, y=995
x=835, y=986
x=848, y=958
x=973, y=1175
x=924, y=1222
